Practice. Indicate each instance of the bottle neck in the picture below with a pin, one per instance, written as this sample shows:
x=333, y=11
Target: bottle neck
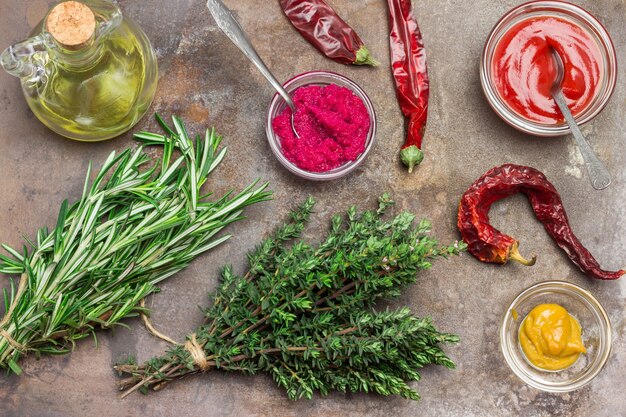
x=78, y=60
x=72, y=28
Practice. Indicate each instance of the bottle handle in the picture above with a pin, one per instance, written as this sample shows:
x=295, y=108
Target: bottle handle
x=108, y=15
x=26, y=59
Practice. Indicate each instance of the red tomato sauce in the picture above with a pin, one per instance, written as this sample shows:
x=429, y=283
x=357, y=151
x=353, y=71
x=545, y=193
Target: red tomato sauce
x=332, y=123
x=523, y=67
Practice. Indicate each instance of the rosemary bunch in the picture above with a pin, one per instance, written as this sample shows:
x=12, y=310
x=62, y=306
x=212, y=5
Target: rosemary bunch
x=133, y=227
x=304, y=313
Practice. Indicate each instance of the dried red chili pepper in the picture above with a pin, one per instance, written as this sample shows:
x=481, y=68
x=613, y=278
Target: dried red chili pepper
x=408, y=61
x=318, y=23
x=490, y=245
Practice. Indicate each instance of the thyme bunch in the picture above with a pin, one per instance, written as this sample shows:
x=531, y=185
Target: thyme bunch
x=133, y=227
x=304, y=313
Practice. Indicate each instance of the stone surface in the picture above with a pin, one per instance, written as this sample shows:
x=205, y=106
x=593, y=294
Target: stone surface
x=206, y=80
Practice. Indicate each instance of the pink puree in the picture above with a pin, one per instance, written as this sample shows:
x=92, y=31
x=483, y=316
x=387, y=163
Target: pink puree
x=332, y=123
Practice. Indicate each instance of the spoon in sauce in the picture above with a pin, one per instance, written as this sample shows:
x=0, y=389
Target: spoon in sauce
x=229, y=25
x=598, y=174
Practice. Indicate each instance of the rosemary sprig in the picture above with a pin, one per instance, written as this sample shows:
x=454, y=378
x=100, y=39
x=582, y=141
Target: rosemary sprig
x=132, y=228
x=304, y=313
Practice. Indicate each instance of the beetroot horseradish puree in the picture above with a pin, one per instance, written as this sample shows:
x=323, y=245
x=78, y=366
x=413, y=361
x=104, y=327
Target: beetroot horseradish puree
x=524, y=69
x=332, y=123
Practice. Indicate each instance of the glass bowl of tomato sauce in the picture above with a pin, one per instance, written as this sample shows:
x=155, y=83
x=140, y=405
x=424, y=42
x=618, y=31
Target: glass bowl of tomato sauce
x=517, y=68
x=335, y=120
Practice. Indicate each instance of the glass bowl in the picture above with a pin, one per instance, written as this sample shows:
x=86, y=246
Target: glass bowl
x=596, y=334
x=573, y=14
x=321, y=78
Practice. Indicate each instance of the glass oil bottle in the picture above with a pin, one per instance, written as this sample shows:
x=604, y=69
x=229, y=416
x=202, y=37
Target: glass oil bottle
x=87, y=72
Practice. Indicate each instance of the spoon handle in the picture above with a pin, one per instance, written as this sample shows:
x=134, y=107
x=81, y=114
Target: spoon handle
x=227, y=23
x=598, y=174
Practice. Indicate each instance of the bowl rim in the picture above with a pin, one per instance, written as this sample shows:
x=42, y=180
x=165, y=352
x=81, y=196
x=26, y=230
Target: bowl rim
x=342, y=170
x=563, y=386
x=534, y=128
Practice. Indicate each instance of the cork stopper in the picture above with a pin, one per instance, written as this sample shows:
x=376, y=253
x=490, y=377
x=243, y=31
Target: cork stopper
x=72, y=24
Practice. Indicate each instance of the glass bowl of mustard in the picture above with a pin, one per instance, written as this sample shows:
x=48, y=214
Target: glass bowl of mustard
x=555, y=336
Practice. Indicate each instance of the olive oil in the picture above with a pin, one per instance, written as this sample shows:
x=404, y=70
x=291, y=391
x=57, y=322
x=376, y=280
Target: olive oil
x=95, y=91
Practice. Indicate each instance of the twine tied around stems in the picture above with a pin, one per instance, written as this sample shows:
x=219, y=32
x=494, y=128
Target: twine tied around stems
x=16, y=345
x=191, y=345
x=197, y=353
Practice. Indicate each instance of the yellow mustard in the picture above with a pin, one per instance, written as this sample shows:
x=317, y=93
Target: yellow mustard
x=551, y=338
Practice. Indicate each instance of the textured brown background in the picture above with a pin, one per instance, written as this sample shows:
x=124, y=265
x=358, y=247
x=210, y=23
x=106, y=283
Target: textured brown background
x=205, y=79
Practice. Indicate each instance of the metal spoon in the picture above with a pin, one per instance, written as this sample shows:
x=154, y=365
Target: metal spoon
x=598, y=174
x=226, y=21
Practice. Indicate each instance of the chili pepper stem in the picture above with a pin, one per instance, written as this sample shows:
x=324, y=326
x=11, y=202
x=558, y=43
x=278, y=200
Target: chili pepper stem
x=514, y=255
x=363, y=57
x=411, y=156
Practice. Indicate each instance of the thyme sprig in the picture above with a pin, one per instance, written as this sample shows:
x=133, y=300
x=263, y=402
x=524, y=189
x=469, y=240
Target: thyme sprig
x=133, y=227
x=304, y=313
